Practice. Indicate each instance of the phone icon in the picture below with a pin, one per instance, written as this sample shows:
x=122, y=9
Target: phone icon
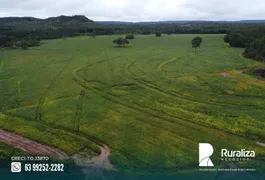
x=15, y=167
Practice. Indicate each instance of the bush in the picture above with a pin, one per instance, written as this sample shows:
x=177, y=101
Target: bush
x=256, y=49
x=121, y=42
x=130, y=36
x=24, y=46
x=226, y=38
x=28, y=43
x=93, y=34
x=7, y=41
x=236, y=40
x=158, y=34
x=146, y=33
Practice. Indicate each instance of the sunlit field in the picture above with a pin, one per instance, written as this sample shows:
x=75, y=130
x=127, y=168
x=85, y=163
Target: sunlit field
x=152, y=103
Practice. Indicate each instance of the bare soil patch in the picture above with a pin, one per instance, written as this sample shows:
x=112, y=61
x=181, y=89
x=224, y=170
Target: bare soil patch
x=95, y=163
x=226, y=74
x=261, y=144
x=30, y=146
x=90, y=164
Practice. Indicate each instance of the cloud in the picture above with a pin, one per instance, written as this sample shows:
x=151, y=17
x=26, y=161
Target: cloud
x=138, y=10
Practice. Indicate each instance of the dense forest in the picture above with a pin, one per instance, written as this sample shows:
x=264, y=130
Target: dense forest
x=250, y=37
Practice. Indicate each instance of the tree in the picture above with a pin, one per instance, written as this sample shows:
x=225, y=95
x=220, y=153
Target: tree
x=7, y=41
x=237, y=40
x=24, y=46
x=169, y=32
x=158, y=34
x=121, y=42
x=130, y=36
x=227, y=38
x=256, y=49
x=125, y=42
x=196, y=42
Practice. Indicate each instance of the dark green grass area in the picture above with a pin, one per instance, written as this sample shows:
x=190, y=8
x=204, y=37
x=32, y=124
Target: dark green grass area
x=151, y=103
x=7, y=151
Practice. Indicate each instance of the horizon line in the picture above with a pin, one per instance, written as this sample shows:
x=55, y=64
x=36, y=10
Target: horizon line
x=136, y=21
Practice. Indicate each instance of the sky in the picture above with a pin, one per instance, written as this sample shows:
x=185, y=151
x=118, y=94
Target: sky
x=137, y=10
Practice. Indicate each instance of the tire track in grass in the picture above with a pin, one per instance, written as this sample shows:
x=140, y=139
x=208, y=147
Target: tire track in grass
x=84, y=86
x=174, y=121
x=104, y=149
x=214, y=87
x=79, y=110
x=97, y=90
x=106, y=95
x=126, y=66
x=79, y=107
x=141, y=108
x=161, y=65
x=39, y=110
x=154, y=113
x=150, y=85
x=167, y=91
x=35, y=105
x=50, y=127
x=100, y=162
x=190, y=124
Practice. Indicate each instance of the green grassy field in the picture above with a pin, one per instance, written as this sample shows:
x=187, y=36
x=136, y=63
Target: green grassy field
x=151, y=103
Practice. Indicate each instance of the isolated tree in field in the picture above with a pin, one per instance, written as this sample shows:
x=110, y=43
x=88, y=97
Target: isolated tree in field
x=130, y=36
x=121, y=42
x=118, y=41
x=158, y=34
x=125, y=42
x=196, y=42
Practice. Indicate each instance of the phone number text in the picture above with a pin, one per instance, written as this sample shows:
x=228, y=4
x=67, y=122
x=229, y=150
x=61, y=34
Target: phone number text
x=44, y=167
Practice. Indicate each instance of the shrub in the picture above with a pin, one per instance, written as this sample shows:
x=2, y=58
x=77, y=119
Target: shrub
x=24, y=46
x=237, y=40
x=130, y=36
x=121, y=42
x=158, y=34
x=227, y=38
x=256, y=49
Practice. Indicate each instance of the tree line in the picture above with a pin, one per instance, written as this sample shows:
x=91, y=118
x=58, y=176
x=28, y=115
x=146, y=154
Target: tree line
x=13, y=42
x=27, y=31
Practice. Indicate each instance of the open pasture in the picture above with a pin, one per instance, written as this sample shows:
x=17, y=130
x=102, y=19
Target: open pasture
x=151, y=103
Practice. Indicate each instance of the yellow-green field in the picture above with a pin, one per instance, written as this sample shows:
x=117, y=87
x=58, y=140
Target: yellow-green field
x=151, y=103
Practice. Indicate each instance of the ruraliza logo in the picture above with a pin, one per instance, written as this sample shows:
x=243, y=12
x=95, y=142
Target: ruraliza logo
x=205, y=152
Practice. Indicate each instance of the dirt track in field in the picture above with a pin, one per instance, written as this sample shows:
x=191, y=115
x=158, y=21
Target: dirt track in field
x=98, y=162
x=95, y=163
x=30, y=146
